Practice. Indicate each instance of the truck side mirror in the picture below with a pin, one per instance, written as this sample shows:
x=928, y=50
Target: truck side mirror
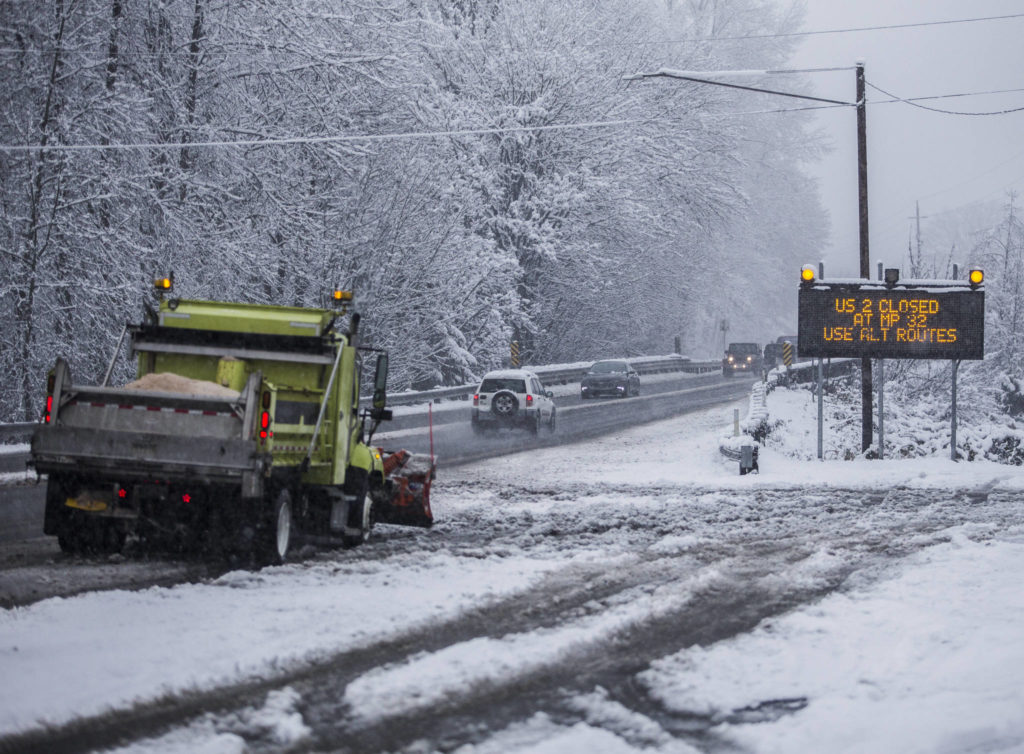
x=380, y=383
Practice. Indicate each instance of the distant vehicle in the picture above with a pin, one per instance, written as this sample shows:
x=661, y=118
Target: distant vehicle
x=512, y=398
x=610, y=377
x=742, y=357
x=773, y=355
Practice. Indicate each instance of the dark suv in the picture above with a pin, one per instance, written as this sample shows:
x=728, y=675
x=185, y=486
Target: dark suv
x=742, y=358
x=612, y=377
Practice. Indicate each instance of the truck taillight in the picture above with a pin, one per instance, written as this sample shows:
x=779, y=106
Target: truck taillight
x=529, y=400
x=476, y=399
x=265, y=417
x=51, y=382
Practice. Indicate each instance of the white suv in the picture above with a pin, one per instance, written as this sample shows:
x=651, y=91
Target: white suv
x=513, y=398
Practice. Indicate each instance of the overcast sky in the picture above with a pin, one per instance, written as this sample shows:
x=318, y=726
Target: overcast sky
x=943, y=161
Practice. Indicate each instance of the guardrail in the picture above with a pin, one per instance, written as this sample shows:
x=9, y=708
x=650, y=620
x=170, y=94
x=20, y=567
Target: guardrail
x=16, y=431
x=560, y=374
x=807, y=371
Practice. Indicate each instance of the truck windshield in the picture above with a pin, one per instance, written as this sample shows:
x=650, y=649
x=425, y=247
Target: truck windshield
x=744, y=348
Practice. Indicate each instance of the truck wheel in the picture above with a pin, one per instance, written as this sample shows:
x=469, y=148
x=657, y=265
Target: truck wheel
x=278, y=531
x=551, y=422
x=70, y=543
x=109, y=537
x=90, y=535
x=360, y=507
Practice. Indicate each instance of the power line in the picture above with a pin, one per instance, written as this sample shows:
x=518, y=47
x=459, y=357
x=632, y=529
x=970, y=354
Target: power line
x=350, y=138
x=850, y=30
x=736, y=38
x=913, y=101
x=339, y=139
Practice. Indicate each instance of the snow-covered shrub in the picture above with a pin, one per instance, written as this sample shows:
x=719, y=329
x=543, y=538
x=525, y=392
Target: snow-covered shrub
x=1011, y=395
x=1007, y=449
x=918, y=415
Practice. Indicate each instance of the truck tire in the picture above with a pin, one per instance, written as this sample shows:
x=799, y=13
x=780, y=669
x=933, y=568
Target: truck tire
x=91, y=535
x=360, y=507
x=79, y=533
x=277, y=534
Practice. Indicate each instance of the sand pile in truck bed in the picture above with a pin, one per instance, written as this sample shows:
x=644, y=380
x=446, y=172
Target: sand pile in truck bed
x=168, y=382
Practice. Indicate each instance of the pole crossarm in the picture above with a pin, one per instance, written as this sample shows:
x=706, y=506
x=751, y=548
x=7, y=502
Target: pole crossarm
x=668, y=73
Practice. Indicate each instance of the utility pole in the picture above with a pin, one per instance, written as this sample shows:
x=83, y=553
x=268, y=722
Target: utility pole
x=916, y=263
x=867, y=407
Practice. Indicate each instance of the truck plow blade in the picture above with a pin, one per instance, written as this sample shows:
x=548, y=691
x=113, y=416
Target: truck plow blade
x=404, y=498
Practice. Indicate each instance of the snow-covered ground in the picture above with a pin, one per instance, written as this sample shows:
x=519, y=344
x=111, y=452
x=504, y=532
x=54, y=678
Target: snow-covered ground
x=925, y=657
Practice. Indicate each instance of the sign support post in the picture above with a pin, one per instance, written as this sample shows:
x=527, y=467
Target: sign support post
x=952, y=421
x=821, y=402
x=881, y=408
x=881, y=394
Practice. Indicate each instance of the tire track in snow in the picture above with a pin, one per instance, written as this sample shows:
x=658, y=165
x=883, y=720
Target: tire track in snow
x=741, y=537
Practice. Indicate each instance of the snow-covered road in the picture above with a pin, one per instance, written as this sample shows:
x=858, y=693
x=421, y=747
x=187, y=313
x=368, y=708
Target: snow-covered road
x=630, y=593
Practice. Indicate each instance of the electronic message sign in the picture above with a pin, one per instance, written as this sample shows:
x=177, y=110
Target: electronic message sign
x=892, y=323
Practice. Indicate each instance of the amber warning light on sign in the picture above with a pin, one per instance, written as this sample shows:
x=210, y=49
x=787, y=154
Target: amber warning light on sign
x=902, y=323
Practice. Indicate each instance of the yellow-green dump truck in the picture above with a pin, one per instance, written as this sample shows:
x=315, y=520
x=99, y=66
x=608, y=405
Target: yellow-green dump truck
x=242, y=431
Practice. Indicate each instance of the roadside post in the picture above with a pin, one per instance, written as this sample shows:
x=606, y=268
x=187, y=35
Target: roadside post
x=787, y=359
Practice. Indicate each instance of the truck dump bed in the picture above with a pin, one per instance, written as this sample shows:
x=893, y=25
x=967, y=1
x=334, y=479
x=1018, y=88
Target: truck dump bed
x=136, y=434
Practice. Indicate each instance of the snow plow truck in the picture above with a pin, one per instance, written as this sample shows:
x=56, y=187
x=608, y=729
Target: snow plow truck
x=241, y=433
